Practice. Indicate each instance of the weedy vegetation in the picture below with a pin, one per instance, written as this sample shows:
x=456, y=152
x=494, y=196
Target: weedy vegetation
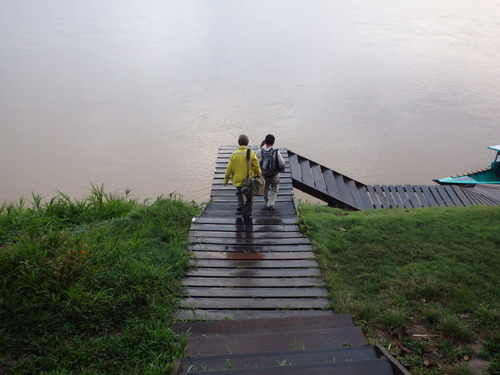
x=425, y=283
x=90, y=285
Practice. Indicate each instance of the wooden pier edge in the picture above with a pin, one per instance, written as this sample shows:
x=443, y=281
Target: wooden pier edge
x=341, y=191
x=394, y=362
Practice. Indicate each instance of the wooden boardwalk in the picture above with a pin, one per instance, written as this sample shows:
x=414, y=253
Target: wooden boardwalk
x=255, y=300
x=263, y=267
x=294, y=346
x=339, y=190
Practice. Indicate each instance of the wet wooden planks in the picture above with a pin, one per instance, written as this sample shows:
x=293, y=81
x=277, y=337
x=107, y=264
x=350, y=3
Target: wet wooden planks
x=258, y=272
x=326, y=184
x=220, y=193
x=295, y=345
x=341, y=191
x=416, y=196
x=270, y=292
x=487, y=195
x=259, y=267
x=272, y=359
x=311, y=338
x=380, y=366
x=229, y=327
x=262, y=275
x=420, y=196
x=253, y=282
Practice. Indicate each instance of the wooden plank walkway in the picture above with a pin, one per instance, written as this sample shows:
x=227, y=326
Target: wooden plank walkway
x=297, y=345
x=263, y=267
x=255, y=302
x=339, y=190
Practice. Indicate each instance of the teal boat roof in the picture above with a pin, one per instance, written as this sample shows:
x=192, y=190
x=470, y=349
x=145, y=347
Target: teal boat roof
x=496, y=148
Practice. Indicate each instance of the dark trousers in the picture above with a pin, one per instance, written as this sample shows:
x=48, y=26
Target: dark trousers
x=245, y=202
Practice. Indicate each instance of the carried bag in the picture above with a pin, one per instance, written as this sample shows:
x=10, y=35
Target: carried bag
x=252, y=186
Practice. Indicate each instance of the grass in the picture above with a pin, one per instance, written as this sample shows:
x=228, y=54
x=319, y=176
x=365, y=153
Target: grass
x=90, y=286
x=423, y=282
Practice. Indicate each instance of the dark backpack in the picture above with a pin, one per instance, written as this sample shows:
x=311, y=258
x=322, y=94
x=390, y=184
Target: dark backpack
x=269, y=163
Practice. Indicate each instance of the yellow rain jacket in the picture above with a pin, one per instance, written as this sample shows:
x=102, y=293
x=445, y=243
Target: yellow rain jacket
x=237, y=168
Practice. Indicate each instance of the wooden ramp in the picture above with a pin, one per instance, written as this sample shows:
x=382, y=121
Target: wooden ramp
x=341, y=191
x=255, y=300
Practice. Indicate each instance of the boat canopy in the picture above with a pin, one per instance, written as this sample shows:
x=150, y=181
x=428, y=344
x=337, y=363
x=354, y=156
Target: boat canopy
x=496, y=148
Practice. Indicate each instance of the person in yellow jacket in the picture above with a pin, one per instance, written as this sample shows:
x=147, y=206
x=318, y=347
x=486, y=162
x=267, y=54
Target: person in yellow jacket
x=237, y=170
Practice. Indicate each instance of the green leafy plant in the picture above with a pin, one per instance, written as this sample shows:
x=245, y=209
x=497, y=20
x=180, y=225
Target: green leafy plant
x=91, y=285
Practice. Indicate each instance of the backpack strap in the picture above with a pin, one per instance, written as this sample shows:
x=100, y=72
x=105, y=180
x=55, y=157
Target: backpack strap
x=248, y=162
x=276, y=163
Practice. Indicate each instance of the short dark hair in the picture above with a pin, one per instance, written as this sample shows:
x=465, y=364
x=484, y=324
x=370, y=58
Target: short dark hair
x=270, y=139
x=243, y=140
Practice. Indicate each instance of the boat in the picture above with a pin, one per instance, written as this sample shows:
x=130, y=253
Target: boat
x=489, y=175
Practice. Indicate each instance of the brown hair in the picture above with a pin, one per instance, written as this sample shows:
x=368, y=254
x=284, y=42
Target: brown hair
x=243, y=140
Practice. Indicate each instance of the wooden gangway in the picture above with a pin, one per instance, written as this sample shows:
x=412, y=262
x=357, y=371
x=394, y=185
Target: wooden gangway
x=255, y=302
x=339, y=190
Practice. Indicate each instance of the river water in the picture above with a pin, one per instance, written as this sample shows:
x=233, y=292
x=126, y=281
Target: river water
x=140, y=94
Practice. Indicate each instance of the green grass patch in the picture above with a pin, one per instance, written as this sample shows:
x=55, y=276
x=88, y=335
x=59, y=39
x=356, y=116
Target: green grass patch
x=414, y=276
x=91, y=286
